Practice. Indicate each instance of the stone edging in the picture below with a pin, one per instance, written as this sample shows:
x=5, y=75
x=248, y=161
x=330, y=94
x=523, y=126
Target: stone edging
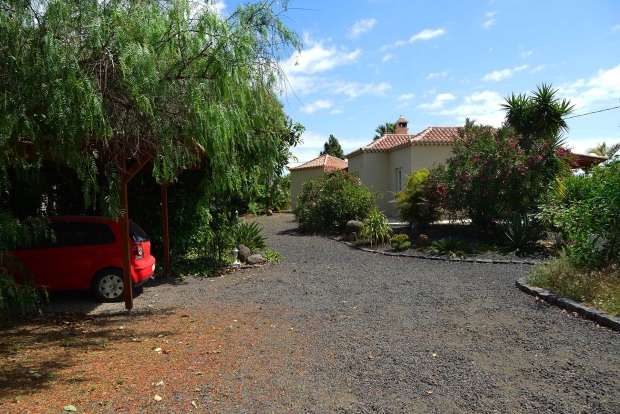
x=455, y=259
x=587, y=312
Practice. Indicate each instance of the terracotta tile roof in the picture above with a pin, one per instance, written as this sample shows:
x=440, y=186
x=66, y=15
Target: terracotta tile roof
x=430, y=136
x=327, y=162
x=437, y=135
x=387, y=142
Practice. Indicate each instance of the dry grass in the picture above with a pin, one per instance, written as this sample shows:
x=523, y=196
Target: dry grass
x=597, y=288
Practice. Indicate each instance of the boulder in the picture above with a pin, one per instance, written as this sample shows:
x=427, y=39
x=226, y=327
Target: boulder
x=352, y=237
x=423, y=241
x=353, y=226
x=270, y=212
x=256, y=251
x=255, y=259
x=244, y=253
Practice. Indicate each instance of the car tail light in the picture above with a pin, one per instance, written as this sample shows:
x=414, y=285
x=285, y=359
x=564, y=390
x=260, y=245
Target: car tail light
x=138, y=251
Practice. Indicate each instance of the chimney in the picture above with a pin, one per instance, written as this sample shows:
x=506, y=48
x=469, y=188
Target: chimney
x=401, y=126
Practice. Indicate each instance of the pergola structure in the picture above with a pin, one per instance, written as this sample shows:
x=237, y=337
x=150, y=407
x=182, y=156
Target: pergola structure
x=587, y=161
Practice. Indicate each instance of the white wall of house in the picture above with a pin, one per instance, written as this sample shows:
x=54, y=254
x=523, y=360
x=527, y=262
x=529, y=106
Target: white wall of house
x=425, y=156
x=298, y=178
x=379, y=171
x=374, y=170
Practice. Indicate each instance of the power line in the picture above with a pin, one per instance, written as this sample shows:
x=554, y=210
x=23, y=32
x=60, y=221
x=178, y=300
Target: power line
x=594, y=112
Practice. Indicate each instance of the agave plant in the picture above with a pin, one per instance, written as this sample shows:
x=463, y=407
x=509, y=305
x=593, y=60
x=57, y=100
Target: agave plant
x=450, y=247
x=522, y=232
x=249, y=234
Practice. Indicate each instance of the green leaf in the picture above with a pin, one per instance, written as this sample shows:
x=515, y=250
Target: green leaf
x=69, y=408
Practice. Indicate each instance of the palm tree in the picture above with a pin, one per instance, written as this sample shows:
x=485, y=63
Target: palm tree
x=387, y=128
x=538, y=115
x=603, y=150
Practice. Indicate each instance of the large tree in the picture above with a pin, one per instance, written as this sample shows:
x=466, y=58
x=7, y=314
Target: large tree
x=333, y=148
x=89, y=83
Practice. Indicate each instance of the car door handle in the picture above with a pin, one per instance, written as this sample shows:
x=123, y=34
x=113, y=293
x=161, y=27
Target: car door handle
x=95, y=252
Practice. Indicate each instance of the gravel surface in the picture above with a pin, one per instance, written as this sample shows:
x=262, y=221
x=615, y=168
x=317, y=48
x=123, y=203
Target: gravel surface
x=342, y=330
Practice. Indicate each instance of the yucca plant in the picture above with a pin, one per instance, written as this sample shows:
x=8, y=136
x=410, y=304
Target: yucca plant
x=450, y=247
x=376, y=228
x=249, y=234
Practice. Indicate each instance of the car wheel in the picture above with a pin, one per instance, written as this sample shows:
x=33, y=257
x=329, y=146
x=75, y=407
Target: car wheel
x=108, y=285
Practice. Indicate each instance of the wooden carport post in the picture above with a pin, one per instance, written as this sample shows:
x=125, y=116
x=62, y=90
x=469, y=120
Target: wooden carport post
x=126, y=176
x=164, y=227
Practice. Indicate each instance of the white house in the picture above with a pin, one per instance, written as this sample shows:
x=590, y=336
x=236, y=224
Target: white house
x=383, y=164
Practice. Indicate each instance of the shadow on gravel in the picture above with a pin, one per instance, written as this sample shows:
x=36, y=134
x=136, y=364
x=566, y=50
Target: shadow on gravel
x=33, y=350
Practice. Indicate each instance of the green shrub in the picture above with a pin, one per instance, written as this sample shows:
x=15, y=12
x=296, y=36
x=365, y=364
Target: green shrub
x=400, y=242
x=449, y=246
x=413, y=205
x=587, y=213
x=248, y=234
x=376, y=228
x=17, y=299
x=598, y=288
x=494, y=173
x=328, y=202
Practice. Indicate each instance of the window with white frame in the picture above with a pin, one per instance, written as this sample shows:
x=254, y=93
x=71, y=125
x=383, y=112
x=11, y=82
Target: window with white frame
x=399, y=179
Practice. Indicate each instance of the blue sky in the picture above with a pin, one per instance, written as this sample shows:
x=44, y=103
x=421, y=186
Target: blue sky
x=365, y=62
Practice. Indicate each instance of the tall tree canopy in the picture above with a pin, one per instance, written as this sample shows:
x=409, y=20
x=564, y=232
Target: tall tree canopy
x=333, y=148
x=387, y=128
x=88, y=82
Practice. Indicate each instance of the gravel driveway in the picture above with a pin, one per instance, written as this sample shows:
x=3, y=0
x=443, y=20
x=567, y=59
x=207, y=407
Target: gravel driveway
x=369, y=333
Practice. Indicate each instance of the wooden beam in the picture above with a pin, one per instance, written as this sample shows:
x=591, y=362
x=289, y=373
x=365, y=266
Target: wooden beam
x=124, y=204
x=164, y=228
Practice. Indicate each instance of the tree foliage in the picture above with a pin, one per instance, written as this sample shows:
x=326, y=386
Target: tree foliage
x=604, y=150
x=332, y=147
x=387, y=128
x=89, y=83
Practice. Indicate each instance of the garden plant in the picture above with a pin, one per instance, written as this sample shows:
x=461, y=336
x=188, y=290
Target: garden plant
x=328, y=202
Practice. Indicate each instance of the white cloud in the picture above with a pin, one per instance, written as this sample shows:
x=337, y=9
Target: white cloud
x=601, y=88
x=481, y=106
x=615, y=28
x=525, y=54
x=355, y=89
x=538, y=68
x=387, y=57
x=316, y=105
x=336, y=111
x=489, y=20
x=318, y=58
x=425, y=34
x=434, y=75
x=498, y=75
x=361, y=27
x=406, y=97
x=438, y=103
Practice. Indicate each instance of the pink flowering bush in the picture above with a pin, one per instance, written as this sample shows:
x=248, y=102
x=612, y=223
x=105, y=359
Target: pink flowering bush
x=491, y=176
x=328, y=202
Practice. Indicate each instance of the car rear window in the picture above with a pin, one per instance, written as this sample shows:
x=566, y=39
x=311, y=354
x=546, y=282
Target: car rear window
x=81, y=234
x=136, y=233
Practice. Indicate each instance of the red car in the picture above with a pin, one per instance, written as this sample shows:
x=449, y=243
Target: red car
x=85, y=253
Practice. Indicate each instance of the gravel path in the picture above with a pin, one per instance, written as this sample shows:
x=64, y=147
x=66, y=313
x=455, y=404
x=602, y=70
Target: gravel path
x=349, y=331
